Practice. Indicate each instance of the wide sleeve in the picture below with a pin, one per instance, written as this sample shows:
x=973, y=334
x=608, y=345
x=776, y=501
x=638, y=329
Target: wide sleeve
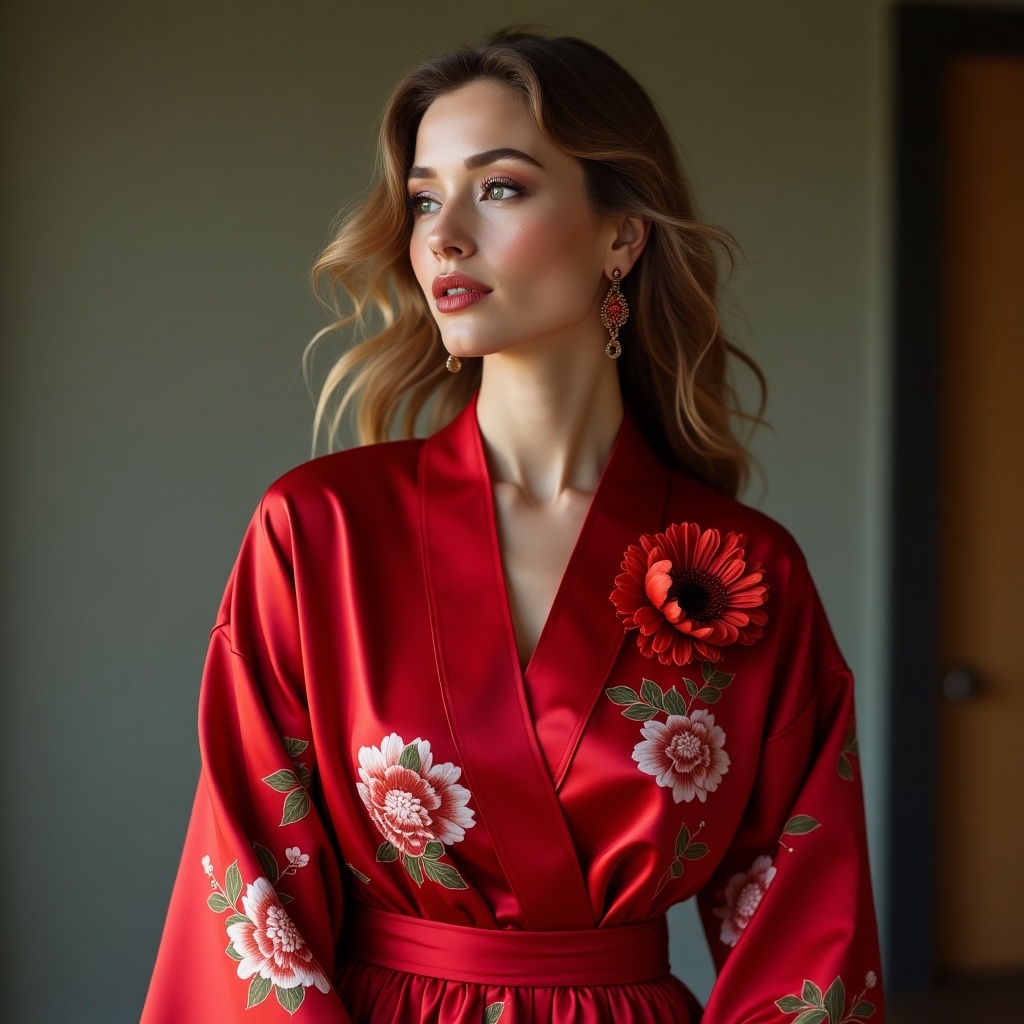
x=256, y=909
x=788, y=913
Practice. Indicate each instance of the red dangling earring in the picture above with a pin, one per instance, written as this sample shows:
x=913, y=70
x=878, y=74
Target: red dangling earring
x=614, y=313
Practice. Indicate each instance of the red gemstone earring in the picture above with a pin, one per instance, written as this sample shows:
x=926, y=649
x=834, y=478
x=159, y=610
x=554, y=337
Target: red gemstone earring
x=614, y=313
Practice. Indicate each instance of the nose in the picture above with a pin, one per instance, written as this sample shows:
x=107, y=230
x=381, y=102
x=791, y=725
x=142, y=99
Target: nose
x=450, y=234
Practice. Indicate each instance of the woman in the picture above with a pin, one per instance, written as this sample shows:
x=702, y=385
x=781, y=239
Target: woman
x=445, y=778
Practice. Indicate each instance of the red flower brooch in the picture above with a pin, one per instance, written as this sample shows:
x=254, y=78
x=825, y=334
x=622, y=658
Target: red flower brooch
x=689, y=593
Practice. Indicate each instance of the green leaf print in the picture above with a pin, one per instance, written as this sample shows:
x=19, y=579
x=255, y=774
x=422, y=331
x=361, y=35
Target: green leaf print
x=790, y=1004
x=412, y=865
x=410, y=757
x=863, y=1010
x=232, y=952
x=444, y=874
x=259, y=989
x=650, y=691
x=283, y=781
x=294, y=746
x=682, y=840
x=622, y=695
x=386, y=853
x=236, y=919
x=433, y=850
x=268, y=863
x=835, y=1000
x=691, y=687
x=695, y=851
x=799, y=825
x=812, y=1017
x=296, y=806
x=290, y=998
x=640, y=712
x=233, y=883
x=493, y=1012
x=812, y=994
x=217, y=903
x=714, y=677
x=674, y=703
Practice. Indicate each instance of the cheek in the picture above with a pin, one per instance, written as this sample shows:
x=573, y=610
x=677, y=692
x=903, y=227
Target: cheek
x=560, y=247
x=421, y=260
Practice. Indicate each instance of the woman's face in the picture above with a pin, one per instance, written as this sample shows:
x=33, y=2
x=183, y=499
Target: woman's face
x=501, y=211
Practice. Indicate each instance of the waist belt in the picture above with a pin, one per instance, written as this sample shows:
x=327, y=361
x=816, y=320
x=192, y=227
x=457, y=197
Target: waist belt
x=627, y=954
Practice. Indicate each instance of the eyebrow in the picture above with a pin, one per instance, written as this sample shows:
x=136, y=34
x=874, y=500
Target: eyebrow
x=481, y=160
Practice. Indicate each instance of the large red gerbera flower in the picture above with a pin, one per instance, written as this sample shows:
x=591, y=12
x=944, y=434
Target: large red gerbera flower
x=690, y=593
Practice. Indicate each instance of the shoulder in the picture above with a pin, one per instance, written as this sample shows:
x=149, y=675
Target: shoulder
x=355, y=481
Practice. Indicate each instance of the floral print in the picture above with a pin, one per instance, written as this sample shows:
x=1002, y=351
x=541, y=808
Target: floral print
x=293, y=782
x=830, y=1007
x=743, y=894
x=265, y=943
x=269, y=943
x=689, y=593
x=685, y=753
x=417, y=806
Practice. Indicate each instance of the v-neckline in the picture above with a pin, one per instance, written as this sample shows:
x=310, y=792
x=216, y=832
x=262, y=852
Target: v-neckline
x=526, y=671
x=516, y=731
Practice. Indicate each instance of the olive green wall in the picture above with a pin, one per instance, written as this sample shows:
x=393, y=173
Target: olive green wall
x=168, y=174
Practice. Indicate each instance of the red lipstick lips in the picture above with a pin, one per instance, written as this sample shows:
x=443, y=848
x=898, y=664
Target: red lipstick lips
x=465, y=290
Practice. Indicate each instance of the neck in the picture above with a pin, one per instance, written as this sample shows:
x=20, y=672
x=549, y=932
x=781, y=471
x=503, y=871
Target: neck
x=549, y=420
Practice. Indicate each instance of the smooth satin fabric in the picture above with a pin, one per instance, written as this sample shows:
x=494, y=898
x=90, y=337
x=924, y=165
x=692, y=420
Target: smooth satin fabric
x=363, y=671
x=628, y=954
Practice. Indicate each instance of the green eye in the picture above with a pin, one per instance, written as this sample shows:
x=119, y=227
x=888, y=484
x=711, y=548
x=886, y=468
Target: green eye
x=422, y=204
x=500, y=189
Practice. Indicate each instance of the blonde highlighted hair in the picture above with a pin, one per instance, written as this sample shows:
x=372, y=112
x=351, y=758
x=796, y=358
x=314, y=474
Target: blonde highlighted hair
x=674, y=370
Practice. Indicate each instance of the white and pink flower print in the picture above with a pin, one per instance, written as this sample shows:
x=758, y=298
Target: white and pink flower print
x=270, y=945
x=411, y=800
x=684, y=753
x=265, y=944
x=743, y=895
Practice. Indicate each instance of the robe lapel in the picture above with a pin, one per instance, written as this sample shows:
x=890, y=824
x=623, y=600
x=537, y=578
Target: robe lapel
x=582, y=635
x=478, y=667
x=517, y=736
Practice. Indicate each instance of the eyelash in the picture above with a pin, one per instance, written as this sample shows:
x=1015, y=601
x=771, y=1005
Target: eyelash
x=413, y=202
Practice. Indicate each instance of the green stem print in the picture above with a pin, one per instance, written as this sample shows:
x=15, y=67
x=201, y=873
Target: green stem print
x=814, y=1007
x=288, y=968
x=292, y=782
x=798, y=825
x=645, y=705
x=844, y=766
x=685, y=849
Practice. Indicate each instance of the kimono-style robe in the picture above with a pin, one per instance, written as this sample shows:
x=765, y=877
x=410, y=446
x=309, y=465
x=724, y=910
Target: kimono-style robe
x=394, y=823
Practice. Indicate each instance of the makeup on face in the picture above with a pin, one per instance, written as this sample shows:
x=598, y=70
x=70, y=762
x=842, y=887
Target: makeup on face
x=504, y=243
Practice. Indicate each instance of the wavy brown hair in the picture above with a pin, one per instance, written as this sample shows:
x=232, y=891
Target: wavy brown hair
x=675, y=362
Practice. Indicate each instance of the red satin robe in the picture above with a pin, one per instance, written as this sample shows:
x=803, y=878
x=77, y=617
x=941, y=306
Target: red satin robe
x=368, y=740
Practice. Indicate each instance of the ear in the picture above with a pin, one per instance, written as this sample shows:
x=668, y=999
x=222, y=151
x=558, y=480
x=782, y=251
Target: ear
x=631, y=234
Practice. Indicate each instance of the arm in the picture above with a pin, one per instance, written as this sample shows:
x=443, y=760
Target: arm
x=256, y=910
x=789, y=913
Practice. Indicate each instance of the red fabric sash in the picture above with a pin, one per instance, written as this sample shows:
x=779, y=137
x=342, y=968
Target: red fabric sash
x=628, y=954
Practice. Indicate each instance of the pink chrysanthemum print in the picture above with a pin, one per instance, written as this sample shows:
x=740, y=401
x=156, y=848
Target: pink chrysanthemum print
x=270, y=945
x=743, y=895
x=685, y=753
x=690, y=593
x=411, y=800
